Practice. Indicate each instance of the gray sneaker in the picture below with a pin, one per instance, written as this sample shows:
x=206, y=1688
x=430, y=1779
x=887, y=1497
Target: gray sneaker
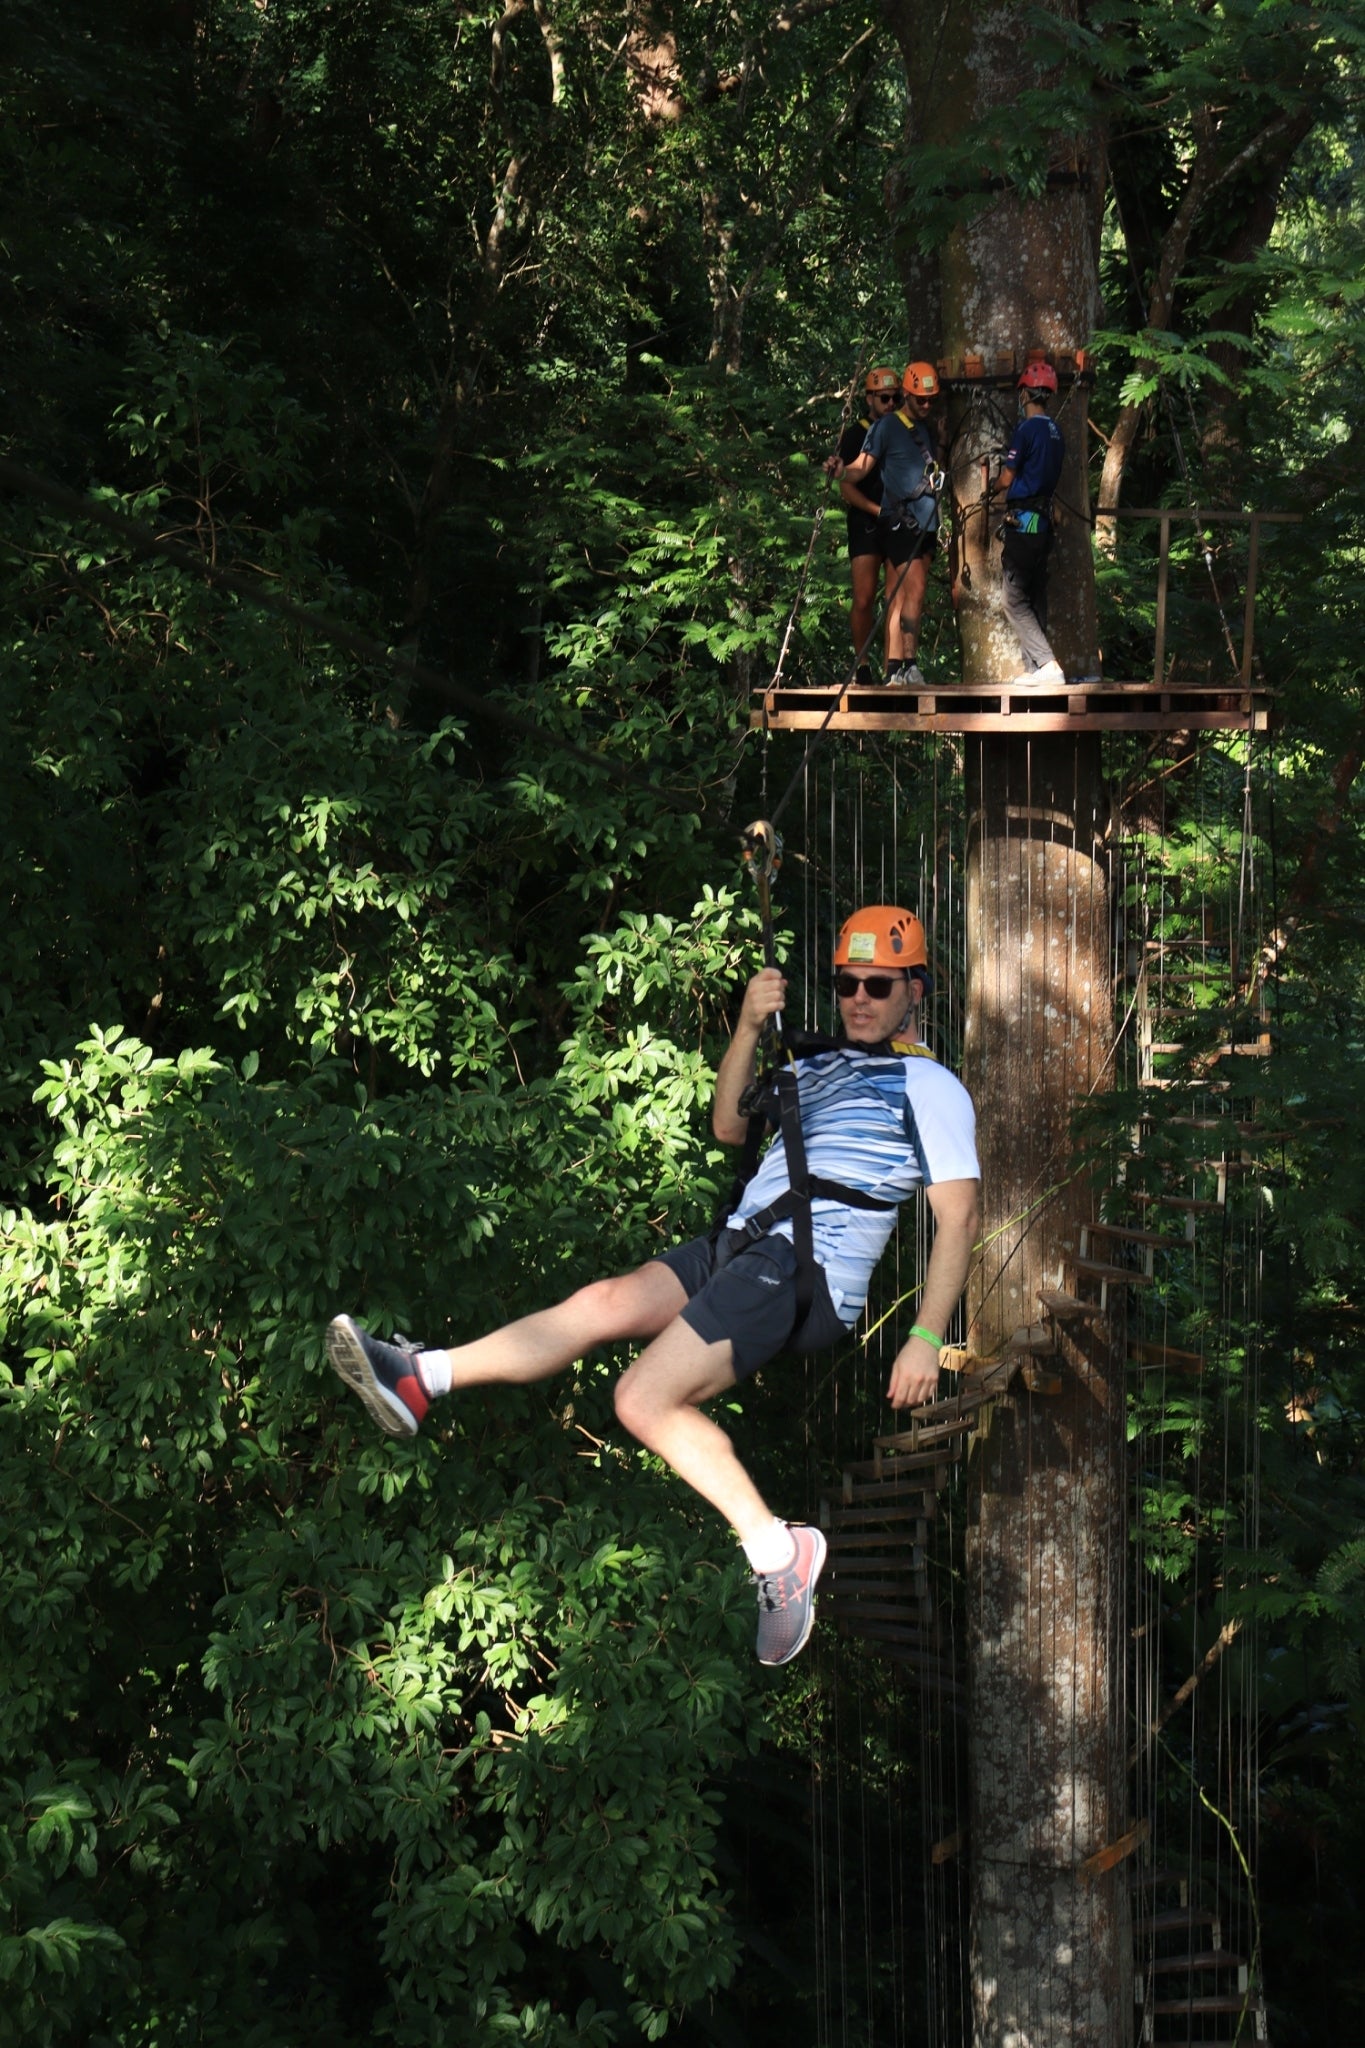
x=786, y=1599
x=384, y=1375
x=912, y=677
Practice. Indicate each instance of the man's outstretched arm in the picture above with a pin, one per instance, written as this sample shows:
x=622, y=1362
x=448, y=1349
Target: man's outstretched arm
x=957, y=1223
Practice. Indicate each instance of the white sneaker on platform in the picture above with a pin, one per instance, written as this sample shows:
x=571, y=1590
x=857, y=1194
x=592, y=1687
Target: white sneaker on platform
x=1050, y=672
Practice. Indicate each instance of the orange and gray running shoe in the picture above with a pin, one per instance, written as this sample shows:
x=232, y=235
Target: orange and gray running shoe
x=786, y=1599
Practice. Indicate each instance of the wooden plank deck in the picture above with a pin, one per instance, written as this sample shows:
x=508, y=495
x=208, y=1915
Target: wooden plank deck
x=1015, y=707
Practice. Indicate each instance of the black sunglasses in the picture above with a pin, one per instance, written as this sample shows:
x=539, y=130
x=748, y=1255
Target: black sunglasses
x=889, y=396
x=878, y=986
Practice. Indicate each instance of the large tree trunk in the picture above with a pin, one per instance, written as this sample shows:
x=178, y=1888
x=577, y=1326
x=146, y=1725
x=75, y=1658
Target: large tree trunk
x=1016, y=274
x=1050, y=1957
x=1050, y=1954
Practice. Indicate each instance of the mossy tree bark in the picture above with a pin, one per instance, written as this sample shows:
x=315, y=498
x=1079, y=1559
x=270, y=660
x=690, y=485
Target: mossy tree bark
x=1049, y=1944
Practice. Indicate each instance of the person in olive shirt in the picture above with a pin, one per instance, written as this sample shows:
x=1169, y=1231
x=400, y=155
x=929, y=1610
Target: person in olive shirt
x=868, y=539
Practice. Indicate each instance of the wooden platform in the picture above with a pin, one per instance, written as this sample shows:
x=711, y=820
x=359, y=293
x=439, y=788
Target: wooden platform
x=1015, y=707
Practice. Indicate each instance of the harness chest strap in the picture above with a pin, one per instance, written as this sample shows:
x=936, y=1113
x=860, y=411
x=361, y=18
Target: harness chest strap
x=932, y=479
x=803, y=1186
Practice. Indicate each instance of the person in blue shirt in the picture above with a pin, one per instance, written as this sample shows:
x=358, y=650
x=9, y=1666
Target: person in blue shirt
x=900, y=448
x=1032, y=471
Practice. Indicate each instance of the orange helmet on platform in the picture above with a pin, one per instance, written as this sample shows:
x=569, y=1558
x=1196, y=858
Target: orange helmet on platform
x=881, y=935
x=1038, y=377
x=881, y=380
x=921, y=379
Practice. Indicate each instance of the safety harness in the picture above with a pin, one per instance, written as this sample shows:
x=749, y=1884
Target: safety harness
x=1033, y=511
x=1029, y=515
x=931, y=481
x=774, y=1099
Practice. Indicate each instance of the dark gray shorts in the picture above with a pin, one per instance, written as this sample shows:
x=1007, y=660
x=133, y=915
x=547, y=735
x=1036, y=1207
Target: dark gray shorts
x=746, y=1292
x=898, y=545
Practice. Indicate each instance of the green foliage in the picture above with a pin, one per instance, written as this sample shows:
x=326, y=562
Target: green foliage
x=519, y=345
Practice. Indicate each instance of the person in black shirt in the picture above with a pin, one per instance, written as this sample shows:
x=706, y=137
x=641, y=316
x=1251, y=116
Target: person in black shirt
x=899, y=450
x=868, y=539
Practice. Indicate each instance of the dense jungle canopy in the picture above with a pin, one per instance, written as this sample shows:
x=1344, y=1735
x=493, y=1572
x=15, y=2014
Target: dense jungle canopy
x=513, y=338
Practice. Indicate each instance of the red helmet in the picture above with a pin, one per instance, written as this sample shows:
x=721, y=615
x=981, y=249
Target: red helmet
x=921, y=379
x=1038, y=377
x=881, y=380
x=881, y=935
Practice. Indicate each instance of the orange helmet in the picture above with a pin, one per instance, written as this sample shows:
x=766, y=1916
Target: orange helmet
x=921, y=379
x=881, y=380
x=882, y=935
x=1038, y=377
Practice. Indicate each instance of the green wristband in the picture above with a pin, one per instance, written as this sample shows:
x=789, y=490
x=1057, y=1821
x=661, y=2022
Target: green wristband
x=928, y=1336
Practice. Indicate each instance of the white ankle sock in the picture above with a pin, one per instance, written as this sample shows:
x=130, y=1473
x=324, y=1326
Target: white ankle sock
x=433, y=1370
x=772, y=1549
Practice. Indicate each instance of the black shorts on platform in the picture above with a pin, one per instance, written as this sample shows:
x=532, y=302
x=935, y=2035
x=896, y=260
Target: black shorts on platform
x=746, y=1291
x=895, y=544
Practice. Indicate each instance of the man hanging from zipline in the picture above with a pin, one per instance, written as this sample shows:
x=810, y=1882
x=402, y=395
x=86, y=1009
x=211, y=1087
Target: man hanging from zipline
x=865, y=1122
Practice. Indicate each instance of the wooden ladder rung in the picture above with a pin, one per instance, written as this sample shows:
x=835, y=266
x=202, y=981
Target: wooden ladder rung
x=847, y=1565
x=1033, y=1340
x=919, y=1438
x=1172, y=1917
x=1208, y=1959
x=1065, y=1307
x=891, y=1629
x=974, y=1387
x=889, y=1488
x=1207, y=2002
x=893, y=1468
x=1151, y=1357
x=1112, y=1276
x=859, y=1540
x=1164, y=1874
x=1158, y=1240
x=922, y=1510
x=884, y=1603
x=1224, y=1123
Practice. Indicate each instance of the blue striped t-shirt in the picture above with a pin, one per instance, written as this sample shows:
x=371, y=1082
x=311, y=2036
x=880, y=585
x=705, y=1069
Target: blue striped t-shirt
x=884, y=1123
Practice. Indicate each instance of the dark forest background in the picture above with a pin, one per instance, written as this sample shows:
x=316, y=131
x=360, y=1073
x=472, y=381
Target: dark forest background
x=514, y=338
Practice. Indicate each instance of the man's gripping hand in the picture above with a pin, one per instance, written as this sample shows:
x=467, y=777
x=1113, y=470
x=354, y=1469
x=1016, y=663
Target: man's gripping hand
x=763, y=998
